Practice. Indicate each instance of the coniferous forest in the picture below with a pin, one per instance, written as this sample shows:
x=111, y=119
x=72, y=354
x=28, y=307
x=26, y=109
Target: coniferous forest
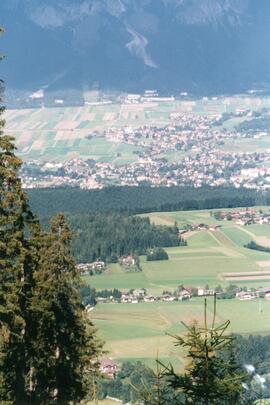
x=110, y=236
x=136, y=200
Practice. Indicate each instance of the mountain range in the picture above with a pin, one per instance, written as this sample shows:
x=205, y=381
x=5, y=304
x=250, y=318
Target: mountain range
x=199, y=46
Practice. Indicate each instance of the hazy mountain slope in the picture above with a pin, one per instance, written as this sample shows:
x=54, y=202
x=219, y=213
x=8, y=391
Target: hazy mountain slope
x=206, y=45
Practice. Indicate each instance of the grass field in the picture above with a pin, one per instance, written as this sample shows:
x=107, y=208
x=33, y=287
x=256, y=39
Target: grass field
x=140, y=331
x=144, y=331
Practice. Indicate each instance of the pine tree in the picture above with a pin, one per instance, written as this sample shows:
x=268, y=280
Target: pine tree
x=212, y=376
x=156, y=390
x=66, y=345
x=17, y=263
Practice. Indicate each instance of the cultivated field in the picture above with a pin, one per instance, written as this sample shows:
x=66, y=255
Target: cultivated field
x=61, y=133
x=140, y=331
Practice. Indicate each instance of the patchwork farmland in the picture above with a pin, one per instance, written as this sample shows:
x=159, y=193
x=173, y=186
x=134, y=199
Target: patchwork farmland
x=62, y=133
x=213, y=257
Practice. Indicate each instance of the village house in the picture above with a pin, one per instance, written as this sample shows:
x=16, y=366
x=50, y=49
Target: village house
x=86, y=267
x=98, y=265
x=185, y=293
x=149, y=298
x=167, y=298
x=126, y=299
x=266, y=292
x=199, y=227
x=109, y=367
x=245, y=295
x=205, y=291
x=139, y=292
x=127, y=260
x=214, y=227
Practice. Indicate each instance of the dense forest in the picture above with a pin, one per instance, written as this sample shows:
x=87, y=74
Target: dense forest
x=110, y=236
x=136, y=200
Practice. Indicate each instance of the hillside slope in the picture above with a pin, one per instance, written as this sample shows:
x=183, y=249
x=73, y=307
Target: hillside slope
x=173, y=45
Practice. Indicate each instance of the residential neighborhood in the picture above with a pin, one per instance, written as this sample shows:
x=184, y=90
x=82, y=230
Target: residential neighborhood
x=186, y=293
x=189, y=150
x=244, y=217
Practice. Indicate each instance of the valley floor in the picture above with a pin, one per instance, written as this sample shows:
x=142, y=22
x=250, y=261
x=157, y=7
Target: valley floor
x=143, y=331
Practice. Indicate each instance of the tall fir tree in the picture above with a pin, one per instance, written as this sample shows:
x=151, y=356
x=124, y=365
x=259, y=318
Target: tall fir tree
x=17, y=263
x=66, y=342
x=48, y=349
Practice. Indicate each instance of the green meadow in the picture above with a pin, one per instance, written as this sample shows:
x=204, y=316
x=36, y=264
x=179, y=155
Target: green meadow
x=141, y=331
x=144, y=331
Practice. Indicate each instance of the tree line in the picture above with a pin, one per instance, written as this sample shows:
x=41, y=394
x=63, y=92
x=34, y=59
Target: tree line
x=136, y=200
x=255, y=246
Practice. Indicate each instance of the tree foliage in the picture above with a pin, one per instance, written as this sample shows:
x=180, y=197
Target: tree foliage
x=106, y=236
x=255, y=246
x=136, y=200
x=65, y=338
x=48, y=348
x=156, y=254
x=18, y=261
x=212, y=375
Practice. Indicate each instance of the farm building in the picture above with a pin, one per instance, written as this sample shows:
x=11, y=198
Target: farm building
x=127, y=260
x=149, y=298
x=245, y=295
x=185, y=293
x=109, y=367
x=266, y=292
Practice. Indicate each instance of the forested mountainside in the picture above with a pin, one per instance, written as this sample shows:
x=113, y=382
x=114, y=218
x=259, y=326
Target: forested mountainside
x=209, y=46
x=135, y=200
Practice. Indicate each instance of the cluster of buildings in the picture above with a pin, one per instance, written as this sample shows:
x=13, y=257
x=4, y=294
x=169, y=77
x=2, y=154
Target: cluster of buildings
x=185, y=293
x=135, y=296
x=99, y=266
x=248, y=216
x=205, y=168
x=247, y=295
x=187, y=151
x=149, y=96
x=96, y=267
